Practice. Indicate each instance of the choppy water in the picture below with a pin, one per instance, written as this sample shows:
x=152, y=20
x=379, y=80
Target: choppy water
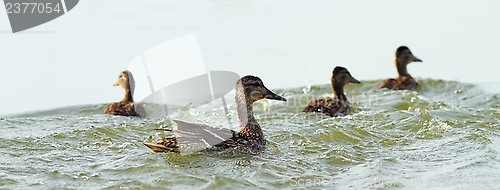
x=418, y=139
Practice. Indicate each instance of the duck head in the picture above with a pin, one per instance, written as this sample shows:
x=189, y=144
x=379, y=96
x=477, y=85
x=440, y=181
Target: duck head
x=404, y=55
x=254, y=89
x=123, y=80
x=403, y=58
x=126, y=81
x=341, y=76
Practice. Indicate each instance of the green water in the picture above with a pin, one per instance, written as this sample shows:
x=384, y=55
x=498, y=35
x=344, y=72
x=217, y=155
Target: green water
x=424, y=139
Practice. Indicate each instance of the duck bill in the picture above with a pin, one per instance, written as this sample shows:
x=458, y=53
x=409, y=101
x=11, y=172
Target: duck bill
x=273, y=96
x=416, y=59
x=354, y=80
x=117, y=83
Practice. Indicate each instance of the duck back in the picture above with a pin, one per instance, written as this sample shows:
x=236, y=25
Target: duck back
x=121, y=108
x=400, y=83
x=330, y=106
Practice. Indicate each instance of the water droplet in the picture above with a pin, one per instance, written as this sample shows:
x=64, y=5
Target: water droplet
x=307, y=88
x=193, y=111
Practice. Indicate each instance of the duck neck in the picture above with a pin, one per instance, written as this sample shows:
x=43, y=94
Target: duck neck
x=128, y=96
x=338, y=90
x=244, y=110
x=401, y=67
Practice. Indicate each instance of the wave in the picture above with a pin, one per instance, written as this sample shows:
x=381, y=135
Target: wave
x=446, y=128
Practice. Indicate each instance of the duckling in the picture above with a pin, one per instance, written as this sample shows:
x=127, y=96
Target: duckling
x=338, y=105
x=249, y=136
x=125, y=107
x=404, y=81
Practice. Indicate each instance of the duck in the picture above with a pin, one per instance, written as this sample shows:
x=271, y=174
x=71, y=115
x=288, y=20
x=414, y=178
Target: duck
x=404, y=81
x=125, y=107
x=249, y=135
x=338, y=105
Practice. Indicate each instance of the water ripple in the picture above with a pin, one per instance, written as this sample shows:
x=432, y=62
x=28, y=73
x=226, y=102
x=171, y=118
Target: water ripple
x=447, y=129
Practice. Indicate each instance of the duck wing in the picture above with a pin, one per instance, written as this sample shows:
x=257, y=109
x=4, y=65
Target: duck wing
x=400, y=83
x=389, y=84
x=328, y=106
x=191, y=137
x=407, y=83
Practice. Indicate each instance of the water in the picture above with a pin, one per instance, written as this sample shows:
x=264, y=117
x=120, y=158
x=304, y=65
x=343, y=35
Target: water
x=446, y=130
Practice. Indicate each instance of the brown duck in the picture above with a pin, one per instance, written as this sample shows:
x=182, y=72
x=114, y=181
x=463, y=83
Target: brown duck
x=249, y=136
x=125, y=107
x=338, y=105
x=404, y=81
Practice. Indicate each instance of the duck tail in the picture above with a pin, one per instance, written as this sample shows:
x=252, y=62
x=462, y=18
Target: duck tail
x=160, y=148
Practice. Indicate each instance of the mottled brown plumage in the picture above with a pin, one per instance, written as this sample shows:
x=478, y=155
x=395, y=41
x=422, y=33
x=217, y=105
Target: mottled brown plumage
x=125, y=107
x=249, y=135
x=338, y=105
x=164, y=145
x=404, y=81
x=121, y=108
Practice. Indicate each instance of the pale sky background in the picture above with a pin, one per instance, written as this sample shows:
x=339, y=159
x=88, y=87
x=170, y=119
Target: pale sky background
x=75, y=59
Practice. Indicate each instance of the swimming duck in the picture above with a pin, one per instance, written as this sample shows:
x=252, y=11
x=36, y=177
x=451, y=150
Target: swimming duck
x=125, y=107
x=404, y=81
x=338, y=105
x=249, y=136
